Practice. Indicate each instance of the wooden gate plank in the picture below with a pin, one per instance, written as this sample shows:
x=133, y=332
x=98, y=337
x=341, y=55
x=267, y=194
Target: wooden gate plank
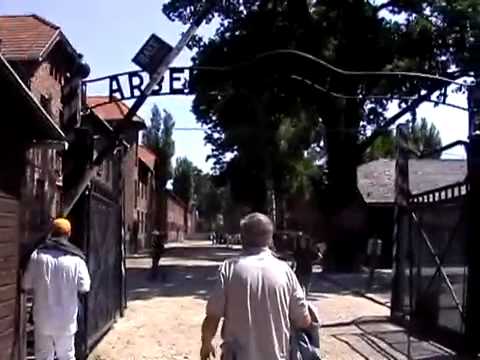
x=7, y=308
x=6, y=343
x=7, y=293
x=8, y=262
x=7, y=323
x=8, y=277
x=8, y=249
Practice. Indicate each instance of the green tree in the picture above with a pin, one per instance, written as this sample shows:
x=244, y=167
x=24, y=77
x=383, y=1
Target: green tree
x=423, y=138
x=428, y=36
x=183, y=180
x=158, y=139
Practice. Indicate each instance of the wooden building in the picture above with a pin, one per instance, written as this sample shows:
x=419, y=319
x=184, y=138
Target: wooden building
x=25, y=125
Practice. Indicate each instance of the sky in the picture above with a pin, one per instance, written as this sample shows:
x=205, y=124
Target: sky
x=109, y=33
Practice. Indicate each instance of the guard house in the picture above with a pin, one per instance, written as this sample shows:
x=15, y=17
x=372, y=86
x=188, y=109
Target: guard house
x=24, y=124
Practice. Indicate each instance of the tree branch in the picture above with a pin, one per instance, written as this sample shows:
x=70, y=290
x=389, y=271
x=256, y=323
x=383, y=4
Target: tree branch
x=379, y=131
x=365, y=144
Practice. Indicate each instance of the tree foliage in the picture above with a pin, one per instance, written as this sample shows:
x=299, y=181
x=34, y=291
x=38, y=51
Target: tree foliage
x=158, y=139
x=208, y=199
x=183, y=180
x=422, y=138
x=245, y=108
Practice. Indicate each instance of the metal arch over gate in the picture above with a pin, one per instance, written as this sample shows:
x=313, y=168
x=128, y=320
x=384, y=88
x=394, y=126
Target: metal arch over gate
x=434, y=276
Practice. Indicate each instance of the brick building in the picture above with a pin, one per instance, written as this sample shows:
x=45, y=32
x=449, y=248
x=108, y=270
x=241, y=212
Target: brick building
x=113, y=113
x=172, y=215
x=144, y=200
x=47, y=63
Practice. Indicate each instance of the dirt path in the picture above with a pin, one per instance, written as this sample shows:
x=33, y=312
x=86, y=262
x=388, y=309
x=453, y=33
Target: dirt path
x=163, y=318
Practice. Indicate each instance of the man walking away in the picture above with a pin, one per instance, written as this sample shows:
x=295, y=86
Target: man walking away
x=57, y=272
x=158, y=249
x=259, y=299
x=305, y=255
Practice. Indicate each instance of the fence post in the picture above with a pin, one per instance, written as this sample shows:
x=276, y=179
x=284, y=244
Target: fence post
x=400, y=221
x=472, y=321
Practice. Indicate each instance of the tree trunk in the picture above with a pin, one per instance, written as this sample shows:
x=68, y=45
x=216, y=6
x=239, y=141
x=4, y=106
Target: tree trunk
x=281, y=209
x=342, y=192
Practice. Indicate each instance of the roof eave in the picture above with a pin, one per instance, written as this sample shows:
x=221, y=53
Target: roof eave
x=54, y=132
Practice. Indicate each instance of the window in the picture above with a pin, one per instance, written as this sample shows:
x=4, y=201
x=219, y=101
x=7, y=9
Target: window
x=39, y=189
x=136, y=194
x=46, y=102
x=108, y=169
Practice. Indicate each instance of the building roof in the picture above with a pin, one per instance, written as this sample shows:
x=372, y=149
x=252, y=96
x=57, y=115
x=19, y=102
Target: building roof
x=147, y=157
x=27, y=37
x=43, y=126
x=109, y=111
x=376, y=179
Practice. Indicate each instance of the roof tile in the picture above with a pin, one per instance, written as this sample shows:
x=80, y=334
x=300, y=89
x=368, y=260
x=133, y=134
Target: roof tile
x=109, y=111
x=376, y=179
x=25, y=37
x=147, y=157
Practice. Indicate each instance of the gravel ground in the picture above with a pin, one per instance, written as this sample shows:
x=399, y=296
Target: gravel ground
x=163, y=318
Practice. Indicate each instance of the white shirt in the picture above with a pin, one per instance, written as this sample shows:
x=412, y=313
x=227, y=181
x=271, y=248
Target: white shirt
x=56, y=279
x=259, y=296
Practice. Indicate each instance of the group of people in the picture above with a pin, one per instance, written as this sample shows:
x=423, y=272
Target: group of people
x=258, y=296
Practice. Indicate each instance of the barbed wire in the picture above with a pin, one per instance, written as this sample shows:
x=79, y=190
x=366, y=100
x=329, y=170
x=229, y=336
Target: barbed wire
x=332, y=68
x=391, y=97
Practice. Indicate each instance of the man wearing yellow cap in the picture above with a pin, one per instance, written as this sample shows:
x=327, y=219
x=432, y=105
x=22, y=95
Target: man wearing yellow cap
x=56, y=273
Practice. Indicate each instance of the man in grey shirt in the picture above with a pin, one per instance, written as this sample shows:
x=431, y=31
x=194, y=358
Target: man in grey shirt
x=259, y=298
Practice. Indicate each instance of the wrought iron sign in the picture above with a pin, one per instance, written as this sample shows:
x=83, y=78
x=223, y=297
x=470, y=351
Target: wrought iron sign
x=152, y=53
x=130, y=85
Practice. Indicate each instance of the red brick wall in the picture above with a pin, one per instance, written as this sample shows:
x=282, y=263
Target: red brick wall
x=44, y=165
x=42, y=83
x=144, y=206
x=175, y=219
x=130, y=177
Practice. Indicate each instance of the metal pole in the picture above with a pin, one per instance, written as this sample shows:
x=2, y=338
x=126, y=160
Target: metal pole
x=400, y=220
x=473, y=234
x=72, y=197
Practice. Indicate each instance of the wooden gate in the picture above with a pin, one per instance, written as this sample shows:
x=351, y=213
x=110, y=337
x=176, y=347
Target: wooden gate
x=8, y=272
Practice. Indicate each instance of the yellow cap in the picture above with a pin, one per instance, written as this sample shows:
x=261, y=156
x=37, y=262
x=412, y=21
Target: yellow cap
x=62, y=226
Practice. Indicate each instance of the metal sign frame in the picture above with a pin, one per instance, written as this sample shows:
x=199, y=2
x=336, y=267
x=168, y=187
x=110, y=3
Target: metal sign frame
x=131, y=84
x=152, y=53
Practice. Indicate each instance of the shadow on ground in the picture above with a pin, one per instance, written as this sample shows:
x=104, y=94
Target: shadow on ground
x=389, y=341
x=213, y=253
x=172, y=281
x=193, y=276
